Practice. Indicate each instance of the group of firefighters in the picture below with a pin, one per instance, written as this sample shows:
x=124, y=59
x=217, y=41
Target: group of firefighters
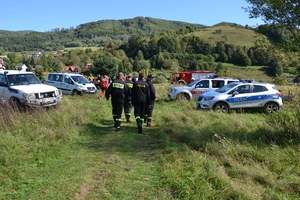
x=127, y=93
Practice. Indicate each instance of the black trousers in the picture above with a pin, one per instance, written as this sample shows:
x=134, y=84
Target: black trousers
x=149, y=111
x=117, y=108
x=127, y=107
x=139, y=110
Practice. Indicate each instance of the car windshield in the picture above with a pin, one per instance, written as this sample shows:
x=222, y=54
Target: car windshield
x=227, y=87
x=193, y=83
x=22, y=79
x=80, y=79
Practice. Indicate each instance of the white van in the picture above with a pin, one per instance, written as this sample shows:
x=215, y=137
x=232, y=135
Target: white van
x=70, y=83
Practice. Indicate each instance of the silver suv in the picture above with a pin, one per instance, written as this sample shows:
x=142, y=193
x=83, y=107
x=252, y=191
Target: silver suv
x=25, y=89
x=240, y=95
x=199, y=86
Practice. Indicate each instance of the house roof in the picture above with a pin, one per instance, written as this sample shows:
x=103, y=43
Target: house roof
x=88, y=65
x=71, y=68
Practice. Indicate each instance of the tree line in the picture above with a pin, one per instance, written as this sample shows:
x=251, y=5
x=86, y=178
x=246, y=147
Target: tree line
x=172, y=49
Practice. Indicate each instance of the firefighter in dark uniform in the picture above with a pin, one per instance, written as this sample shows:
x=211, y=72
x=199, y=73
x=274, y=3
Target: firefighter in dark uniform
x=128, y=103
x=150, y=108
x=117, y=90
x=140, y=100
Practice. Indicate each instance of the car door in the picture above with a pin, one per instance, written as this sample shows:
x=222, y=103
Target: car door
x=67, y=84
x=54, y=80
x=4, y=92
x=240, y=97
x=200, y=87
x=259, y=96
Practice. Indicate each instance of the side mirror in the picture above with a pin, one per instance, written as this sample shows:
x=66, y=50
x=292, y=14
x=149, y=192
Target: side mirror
x=235, y=93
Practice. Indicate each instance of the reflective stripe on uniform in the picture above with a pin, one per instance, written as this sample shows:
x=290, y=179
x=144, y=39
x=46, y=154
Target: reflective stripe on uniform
x=130, y=85
x=118, y=85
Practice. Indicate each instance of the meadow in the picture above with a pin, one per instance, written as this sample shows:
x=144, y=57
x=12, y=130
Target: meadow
x=73, y=152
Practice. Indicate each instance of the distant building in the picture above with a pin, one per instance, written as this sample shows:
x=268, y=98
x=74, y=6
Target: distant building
x=2, y=57
x=2, y=64
x=56, y=55
x=22, y=67
x=36, y=54
x=72, y=68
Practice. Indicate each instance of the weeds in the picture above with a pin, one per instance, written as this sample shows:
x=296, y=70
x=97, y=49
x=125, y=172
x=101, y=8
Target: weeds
x=73, y=152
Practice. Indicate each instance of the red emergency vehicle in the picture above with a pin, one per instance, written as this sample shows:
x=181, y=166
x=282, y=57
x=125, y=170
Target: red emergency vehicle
x=185, y=77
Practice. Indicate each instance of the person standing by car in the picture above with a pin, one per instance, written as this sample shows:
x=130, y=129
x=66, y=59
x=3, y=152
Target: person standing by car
x=104, y=85
x=128, y=103
x=97, y=81
x=117, y=90
x=140, y=100
x=149, y=109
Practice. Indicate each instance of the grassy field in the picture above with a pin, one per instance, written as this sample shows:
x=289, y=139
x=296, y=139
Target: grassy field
x=73, y=152
x=231, y=35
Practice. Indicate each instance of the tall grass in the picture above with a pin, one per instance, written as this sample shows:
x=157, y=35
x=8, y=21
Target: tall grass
x=248, y=153
x=73, y=152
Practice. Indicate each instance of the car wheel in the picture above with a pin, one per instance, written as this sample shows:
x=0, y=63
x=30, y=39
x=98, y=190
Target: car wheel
x=76, y=92
x=16, y=105
x=183, y=97
x=221, y=107
x=271, y=107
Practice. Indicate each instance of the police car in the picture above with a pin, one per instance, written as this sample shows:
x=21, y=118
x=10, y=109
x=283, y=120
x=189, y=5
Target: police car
x=242, y=95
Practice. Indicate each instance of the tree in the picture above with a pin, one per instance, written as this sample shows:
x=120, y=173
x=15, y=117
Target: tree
x=241, y=58
x=168, y=44
x=105, y=66
x=283, y=13
x=276, y=68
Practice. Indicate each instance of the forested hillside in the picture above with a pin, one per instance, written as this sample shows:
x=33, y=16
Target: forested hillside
x=89, y=34
x=145, y=44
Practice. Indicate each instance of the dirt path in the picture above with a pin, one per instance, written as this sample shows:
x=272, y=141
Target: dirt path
x=126, y=164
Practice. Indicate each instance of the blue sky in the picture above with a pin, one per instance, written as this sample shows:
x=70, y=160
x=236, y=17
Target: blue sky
x=46, y=15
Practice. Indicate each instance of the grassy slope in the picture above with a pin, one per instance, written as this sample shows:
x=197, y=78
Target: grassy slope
x=70, y=153
x=232, y=35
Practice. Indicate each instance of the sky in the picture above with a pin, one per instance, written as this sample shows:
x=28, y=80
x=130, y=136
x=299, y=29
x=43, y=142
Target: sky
x=45, y=15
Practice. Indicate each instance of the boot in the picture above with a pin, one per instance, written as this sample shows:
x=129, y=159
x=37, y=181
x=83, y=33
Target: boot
x=148, y=122
x=118, y=125
x=145, y=118
x=140, y=130
x=139, y=125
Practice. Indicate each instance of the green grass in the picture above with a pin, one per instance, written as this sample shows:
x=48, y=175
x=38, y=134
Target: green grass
x=73, y=152
x=231, y=35
x=82, y=48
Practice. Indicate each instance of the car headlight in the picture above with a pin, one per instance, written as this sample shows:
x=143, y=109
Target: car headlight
x=57, y=93
x=30, y=96
x=173, y=90
x=208, y=98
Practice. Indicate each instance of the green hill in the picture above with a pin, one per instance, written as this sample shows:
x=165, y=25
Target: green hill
x=100, y=32
x=88, y=34
x=236, y=35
